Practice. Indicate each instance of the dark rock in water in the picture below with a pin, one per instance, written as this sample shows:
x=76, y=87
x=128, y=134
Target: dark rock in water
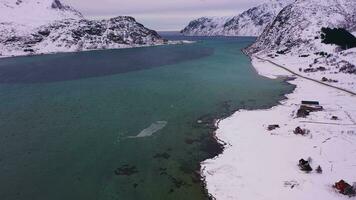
x=196, y=177
x=126, y=170
x=211, y=146
x=305, y=166
x=164, y=155
x=162, y=171
x=177, y=182
x=207, y=121
x=226, y=105
x=190, y=141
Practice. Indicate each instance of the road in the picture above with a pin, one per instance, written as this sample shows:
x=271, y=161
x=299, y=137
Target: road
x=301, y=76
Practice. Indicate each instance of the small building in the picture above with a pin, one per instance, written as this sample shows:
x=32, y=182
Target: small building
x=308, y=106
x=310, y=102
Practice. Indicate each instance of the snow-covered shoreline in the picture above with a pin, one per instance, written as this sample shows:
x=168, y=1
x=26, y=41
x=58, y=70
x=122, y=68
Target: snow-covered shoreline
x=178, y=42
x=261, y=164
x=56, y=27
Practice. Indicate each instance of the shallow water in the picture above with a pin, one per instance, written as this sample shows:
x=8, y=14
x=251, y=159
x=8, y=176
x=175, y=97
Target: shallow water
x=66, y=119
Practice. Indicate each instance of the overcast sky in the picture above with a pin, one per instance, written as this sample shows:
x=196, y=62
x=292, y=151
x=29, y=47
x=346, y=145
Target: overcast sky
x=161, y=14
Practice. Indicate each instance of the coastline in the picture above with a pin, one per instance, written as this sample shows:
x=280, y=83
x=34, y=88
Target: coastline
x=262, y=164
x=180, y=42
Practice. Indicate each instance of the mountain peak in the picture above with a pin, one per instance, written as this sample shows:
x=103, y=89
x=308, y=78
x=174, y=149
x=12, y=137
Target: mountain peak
x=249, y=23
x=308, y=17
x=35, y=12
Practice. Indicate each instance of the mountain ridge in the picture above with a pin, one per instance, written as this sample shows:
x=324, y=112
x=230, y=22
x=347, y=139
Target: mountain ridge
x=313, y=38
x=249, y=23
x=56, y=27
x=300, y=24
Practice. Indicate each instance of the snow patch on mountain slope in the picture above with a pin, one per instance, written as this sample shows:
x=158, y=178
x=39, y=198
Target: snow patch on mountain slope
x=249, y=23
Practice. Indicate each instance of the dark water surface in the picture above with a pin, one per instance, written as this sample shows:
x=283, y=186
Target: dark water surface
x=72, y=66
x=68, y=122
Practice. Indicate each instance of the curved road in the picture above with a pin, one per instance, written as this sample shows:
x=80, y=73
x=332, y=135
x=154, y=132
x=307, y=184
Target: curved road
x=301, y=76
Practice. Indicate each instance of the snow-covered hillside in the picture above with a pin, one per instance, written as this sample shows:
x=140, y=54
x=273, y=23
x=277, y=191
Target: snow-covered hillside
x=35, y=12
x=298, y=26
x=206, y=26
x=295, y=34
x=48, y=26
x=249, y=23
x=263, y=158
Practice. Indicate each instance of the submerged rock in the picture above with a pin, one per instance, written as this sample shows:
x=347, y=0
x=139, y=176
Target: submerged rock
x=126, y=170
x=164, y=155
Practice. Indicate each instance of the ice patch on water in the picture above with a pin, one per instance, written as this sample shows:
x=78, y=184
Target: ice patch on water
x=149, y=131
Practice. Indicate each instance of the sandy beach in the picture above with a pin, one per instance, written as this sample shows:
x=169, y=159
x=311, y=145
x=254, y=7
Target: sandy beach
x=260, y=164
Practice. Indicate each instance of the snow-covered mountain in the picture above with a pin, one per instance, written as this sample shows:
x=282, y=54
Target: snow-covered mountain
x=206, y=26
x=297, y=27
x=297, y=30
x=35, y=12
x=249, y=23
x=47, y=26
x=313, y=37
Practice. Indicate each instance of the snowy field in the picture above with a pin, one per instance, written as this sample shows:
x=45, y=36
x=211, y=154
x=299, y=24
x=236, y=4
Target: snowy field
x=263, y=165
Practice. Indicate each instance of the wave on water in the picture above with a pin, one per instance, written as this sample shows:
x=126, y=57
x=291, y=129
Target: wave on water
x=149, y=131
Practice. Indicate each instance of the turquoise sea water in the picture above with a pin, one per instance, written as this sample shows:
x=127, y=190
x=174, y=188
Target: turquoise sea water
x=121, y=124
